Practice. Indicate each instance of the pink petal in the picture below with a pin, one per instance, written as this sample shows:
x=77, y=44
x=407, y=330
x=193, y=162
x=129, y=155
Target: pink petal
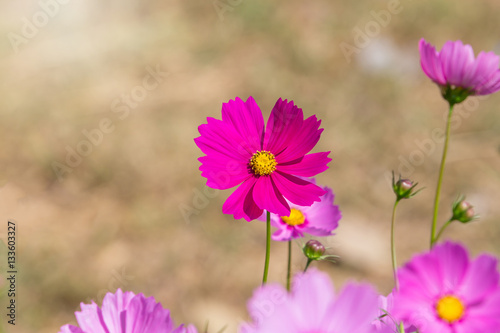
x=455, y=58
x=354, y=310
x=481, y=278
x=302, y=142
x=307, y=166
x=267, y=196
x=240, y=203
x=452, y=263
x=323, y=216
x=313, y=293
x=220, y=138
x=246, y=118
x=297, y=190
x=70, y=329
x=222, y=172
x=430, y=62
x=284, y=123
x=283, y=234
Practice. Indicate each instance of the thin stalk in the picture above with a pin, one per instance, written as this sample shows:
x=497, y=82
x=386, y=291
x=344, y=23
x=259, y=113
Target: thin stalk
x=268, y=247
x=289, y=269
x=309, y=261
x=393, y=245
x=441, y=231
x=440, y=178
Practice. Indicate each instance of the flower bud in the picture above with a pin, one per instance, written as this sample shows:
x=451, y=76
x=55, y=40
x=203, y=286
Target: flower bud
x=403, y=188
x=463, y=211
x=313, y=250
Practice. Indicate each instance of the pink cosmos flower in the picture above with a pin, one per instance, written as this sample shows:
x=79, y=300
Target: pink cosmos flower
x=443, y=291
x=319, y=219
x=125, y=312
x=312, y=307
x=264, y=163
x=456, y=70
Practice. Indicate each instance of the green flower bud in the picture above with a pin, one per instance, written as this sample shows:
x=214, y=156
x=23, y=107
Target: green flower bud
x=403, y=188
x=463, y=211
x=313, y=250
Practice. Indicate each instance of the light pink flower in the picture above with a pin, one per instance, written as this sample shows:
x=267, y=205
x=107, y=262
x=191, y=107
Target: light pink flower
x=455, y=67
x=125, y=312
x=319, y=219
x=443, y=291
x=312, y=307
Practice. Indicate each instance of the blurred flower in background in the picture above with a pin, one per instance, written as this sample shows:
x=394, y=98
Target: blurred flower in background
x=125, y=312
x=444, y=291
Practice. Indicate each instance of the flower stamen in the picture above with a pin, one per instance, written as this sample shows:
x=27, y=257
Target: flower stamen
x=263, y=163
x=296, y=218
x=450, y=309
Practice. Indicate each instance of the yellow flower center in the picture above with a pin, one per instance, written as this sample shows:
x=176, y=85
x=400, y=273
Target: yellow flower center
x=450, y=308
x=263, y=163
x=296, y=217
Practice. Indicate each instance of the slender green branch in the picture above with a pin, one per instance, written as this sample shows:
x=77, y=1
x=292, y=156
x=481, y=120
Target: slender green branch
x=289, y=269
x=440, y=178
x=268, y=247
x=393, y=245
x=309, y=261
x=441, y=231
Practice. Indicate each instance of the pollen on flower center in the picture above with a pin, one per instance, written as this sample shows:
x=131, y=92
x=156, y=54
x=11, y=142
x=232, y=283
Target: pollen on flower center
x=450, y=308
x=296, y=217
x=263, y=163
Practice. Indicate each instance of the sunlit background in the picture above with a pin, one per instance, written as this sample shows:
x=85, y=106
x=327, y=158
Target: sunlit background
x=100, y=103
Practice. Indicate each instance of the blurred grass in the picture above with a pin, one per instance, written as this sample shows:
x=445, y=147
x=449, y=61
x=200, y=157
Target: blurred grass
x=118, y=211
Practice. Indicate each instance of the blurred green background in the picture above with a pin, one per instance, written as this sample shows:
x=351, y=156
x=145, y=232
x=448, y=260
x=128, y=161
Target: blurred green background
x=134, y=212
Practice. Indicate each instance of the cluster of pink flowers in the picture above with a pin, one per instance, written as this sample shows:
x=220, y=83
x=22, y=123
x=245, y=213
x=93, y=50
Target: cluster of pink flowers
x=440, y=290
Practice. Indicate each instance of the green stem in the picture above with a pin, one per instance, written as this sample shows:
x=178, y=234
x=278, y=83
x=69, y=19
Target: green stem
x=268, y=247
x=441, y=231
x=309, y=261
x=289, y=269
x=401, y=328
x=440, y=178
x=393, y=245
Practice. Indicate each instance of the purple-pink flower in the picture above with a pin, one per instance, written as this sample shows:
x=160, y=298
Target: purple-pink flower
x=264, y=163
x=443, y=291
x=125, y=312
x=312, y=307
x=319, y=219
x=458, y=72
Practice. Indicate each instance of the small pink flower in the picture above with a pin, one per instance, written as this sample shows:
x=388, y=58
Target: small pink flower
x=125, y=312
x=458, y=72
x=443, y=291
x=319, y=219
x=312, y=307
x=263, y=162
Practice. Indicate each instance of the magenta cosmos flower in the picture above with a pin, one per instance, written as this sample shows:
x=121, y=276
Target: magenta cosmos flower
x=319, y=219
x=125, y=312
x=312, y=307
x=264, y=163
x=443, y=291
x=458, y=72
